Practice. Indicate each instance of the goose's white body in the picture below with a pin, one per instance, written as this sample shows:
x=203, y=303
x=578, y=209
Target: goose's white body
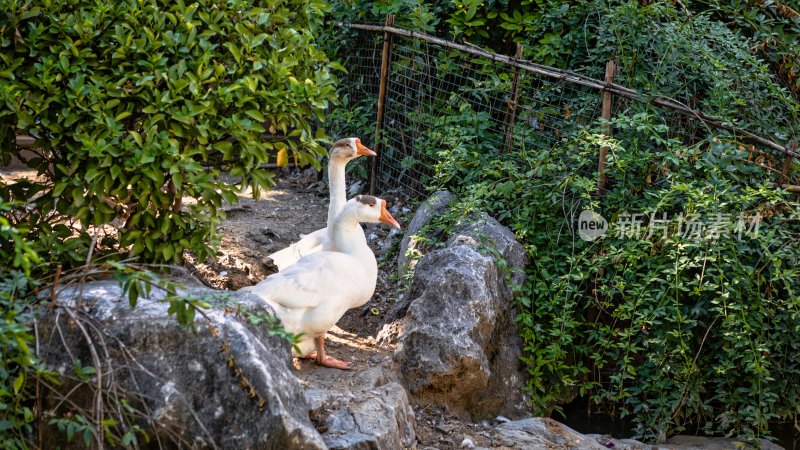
x=322, y=239
x=311, y=295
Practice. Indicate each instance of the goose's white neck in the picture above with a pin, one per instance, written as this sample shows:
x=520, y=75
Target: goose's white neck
x=348, y=237
x=337, y=188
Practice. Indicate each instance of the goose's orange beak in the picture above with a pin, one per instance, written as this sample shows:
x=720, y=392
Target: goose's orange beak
x=362, y=150
x=386, y=217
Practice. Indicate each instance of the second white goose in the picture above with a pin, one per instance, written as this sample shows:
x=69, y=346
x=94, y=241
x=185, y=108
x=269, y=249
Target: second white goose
x=310, y=296
x=342, y=152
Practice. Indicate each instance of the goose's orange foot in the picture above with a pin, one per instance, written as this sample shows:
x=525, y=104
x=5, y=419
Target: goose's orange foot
x=325, y=360
x=328, y=361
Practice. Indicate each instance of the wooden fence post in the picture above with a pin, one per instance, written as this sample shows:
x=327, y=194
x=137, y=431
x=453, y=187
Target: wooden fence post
x=512, y=104
x=787, y=163
x=387, y=51
x=611, y=67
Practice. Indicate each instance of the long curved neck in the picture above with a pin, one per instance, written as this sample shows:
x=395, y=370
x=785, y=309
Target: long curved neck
x=337, y=188
x=348, y=237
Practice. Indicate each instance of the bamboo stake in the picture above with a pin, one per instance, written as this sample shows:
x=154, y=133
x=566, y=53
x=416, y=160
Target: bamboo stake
x=611, y=67
x=387, y=49
x=787, y=163
x=793, y=188
x=512, y=105
x=582, y=80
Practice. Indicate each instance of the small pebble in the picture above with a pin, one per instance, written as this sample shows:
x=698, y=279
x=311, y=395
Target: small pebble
x=223, y=273
x=444, y=428
x=502, y=419
x=267, y=231
x=467, y=443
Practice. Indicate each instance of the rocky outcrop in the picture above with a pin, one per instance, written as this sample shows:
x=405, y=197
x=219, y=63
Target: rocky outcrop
x=225, y=384
x=435, y=205
x=542, y=433
x=367, y=413
x=684, y=442
x=455, y=328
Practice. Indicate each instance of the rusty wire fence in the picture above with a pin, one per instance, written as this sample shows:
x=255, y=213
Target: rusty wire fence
x=426, y=93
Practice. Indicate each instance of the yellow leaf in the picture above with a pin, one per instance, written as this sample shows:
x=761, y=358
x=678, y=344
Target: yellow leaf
x=283, y=157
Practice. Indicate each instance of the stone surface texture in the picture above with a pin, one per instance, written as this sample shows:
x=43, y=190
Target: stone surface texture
x=226, y=384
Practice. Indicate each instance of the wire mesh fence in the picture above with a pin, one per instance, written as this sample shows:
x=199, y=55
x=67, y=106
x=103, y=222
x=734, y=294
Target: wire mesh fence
x=437, y=92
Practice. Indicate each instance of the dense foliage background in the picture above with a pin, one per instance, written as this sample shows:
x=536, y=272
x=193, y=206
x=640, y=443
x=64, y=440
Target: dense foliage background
x=675, y=331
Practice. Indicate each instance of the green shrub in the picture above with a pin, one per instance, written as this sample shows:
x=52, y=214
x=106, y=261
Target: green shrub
x=772, y=27
x=16, y=357
x=137, y=104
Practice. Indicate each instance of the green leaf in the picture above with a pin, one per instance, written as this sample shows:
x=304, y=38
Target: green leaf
x=18, y=382
x=255, y=115
x=136, y=137
x=122, y=115
x=237, y=54
x=168, y=252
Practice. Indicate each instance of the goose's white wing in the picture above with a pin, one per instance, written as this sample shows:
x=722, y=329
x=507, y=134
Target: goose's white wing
x=311, y=243
x=311, y=280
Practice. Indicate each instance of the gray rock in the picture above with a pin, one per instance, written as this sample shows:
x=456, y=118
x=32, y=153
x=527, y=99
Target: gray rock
x=457, y=341
x=682, y=442
x=370, y=414
x=483, y=231
x=226, y=384
x=622, y=444
x=542, y=433
x=436, y=204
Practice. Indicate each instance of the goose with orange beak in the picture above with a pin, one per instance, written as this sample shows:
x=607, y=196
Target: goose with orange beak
x=342, y=152
x=310, y=296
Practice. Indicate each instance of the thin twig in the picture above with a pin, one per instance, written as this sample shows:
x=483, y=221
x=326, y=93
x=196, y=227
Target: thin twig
x=96, y=360
x=55, y=285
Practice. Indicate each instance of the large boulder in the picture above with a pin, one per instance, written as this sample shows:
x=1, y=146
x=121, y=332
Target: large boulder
x=542, y=433
x=455, y=328
x=226, y=383
x=368, y=412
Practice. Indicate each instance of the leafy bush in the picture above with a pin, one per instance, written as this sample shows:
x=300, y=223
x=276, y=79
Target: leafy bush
x=135, y=105
x=772, y=27
x=696, y=61
x=17, y=362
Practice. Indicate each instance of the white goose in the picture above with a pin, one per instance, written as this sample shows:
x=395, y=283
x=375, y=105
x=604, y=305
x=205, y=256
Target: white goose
x=341, y=153
x=311, y=295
